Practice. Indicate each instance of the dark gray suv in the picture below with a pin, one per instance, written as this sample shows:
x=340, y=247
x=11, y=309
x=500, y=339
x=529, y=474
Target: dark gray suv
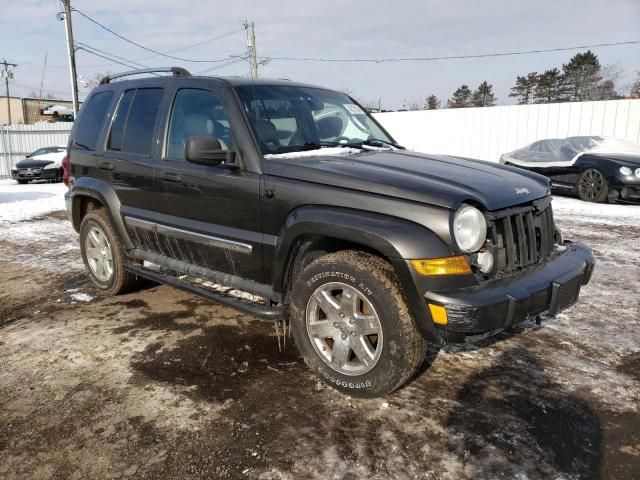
x=295, y=194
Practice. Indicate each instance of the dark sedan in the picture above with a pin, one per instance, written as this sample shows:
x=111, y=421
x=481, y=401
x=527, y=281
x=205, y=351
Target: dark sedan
x=597, y=169
x=43, y=164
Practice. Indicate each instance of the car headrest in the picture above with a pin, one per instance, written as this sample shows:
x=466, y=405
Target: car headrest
x=198, y=124
x=329, y=127
x=267, y=131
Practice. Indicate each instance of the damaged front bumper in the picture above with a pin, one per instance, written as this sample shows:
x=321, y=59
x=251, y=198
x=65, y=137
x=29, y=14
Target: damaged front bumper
x=550, y=287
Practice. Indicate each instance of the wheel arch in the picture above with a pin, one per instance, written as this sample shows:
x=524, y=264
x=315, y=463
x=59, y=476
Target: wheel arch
x=88, y=193
x=310, y=232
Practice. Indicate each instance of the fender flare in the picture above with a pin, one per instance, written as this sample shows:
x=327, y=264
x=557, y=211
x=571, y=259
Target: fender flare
x=395, y=238
x=106, y=195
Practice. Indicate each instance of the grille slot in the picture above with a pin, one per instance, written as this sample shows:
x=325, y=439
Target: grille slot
x=523, y=236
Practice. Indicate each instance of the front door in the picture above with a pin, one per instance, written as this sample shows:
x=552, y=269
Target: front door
x=207, y=215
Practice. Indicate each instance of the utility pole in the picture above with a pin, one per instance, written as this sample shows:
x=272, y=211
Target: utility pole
x=7, y=75
x=251, y=46
x=71, y=52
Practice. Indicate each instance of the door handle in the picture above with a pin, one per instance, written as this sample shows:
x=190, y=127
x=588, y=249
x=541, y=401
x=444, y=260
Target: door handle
x=170, y=176
x=106, y=165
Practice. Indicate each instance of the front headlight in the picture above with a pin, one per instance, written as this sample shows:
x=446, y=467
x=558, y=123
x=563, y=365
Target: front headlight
x=50, y=166
x=638, y=172
x=469, y=228
x=625, y=171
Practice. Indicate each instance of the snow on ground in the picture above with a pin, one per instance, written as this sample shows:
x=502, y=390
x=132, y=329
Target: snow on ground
x=202, y=391
x=50, y=242
x=21, y=202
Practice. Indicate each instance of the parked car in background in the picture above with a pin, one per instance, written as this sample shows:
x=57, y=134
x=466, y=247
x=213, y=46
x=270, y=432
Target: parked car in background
x=597, y=169
x=43, y=164
x=59, y=110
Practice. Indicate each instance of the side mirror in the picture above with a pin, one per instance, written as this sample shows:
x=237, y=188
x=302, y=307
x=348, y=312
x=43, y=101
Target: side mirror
x=208, y=151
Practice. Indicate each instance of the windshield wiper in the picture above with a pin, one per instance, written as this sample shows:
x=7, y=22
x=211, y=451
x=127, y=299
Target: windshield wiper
x=81, y=145
x=376, y=142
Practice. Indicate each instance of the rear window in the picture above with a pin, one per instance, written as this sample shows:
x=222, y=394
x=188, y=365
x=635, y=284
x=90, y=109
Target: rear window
x=117, y=130
x=135, y=120
x=91, y=121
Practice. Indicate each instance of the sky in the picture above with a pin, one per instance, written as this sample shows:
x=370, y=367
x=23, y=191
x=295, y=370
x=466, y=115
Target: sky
x=326, y=29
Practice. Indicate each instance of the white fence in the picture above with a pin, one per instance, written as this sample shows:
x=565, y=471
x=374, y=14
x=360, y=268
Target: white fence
x=484, y=133
x=487, y=133
x=16, y=141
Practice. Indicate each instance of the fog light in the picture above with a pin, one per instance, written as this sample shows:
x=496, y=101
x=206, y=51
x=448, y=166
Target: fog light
x=485, y=261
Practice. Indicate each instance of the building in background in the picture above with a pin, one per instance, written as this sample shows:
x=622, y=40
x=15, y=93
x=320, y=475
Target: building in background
x=28, y=111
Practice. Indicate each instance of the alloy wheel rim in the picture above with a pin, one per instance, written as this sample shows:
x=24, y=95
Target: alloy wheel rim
x=592, y=184
x=344, y=328
x=99, y=256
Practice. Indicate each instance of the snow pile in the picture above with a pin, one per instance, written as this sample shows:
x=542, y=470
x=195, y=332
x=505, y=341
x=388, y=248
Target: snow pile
x=612, y=214
x=22, y=202
x=320, y=152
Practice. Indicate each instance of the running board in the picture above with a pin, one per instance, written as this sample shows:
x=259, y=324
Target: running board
x=261, y=311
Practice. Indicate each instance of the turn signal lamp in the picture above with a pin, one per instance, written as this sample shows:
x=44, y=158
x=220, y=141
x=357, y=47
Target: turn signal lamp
x=441, y=266
x=438, y=314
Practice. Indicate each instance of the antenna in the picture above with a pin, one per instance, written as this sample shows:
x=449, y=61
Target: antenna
x=44, y=67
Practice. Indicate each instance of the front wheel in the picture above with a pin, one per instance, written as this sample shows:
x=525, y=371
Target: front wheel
x=352, y=325
x=592, y=186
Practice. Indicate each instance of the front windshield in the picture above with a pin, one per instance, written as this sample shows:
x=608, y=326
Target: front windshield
x=293, y=119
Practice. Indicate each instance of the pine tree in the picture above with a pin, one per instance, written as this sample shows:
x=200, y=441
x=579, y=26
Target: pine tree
x=581, y=76
x=635, y=88
x=461, y=98
x=524, y=88
x=432, y=102
x=548, y=87
x=483, y=96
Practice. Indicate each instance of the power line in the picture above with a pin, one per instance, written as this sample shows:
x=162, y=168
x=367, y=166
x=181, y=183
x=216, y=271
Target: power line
x=107, y=58
x=218, y=67
x=449, y=57
x=146, y=48
x=202, y=42
x=84, y=46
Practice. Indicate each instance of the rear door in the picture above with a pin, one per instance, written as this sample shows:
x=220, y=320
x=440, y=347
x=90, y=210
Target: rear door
x=207, y=215
x=129, y=156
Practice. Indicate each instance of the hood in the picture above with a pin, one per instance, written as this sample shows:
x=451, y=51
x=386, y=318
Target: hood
x=33, y=163
x=631, y=160
x=432, y=179
x=41, y=160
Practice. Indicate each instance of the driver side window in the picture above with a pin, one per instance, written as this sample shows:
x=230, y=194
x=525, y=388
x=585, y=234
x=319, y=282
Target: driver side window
x=196, y=113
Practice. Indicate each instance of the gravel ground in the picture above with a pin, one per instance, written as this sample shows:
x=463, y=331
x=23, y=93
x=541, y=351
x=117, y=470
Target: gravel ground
x=162, y=384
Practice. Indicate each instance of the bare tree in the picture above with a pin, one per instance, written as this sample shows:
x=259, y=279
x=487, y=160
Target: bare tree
x=414, y=103
x=94, y=81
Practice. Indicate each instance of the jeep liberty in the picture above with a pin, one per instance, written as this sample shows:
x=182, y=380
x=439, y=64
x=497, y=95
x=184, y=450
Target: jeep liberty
x=298, y=196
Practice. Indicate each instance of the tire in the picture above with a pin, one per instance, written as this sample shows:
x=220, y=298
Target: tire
x=22, y=182
x=103, y=255
x=347, y=285
x=592, y=186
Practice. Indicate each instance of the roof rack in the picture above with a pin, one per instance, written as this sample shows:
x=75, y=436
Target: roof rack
x=176, y=71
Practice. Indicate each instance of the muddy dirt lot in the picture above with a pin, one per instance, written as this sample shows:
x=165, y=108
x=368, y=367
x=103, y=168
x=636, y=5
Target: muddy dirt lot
x=162, y=384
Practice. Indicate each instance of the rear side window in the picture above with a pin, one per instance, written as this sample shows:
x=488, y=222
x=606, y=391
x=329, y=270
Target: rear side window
x=132, y=129
x=117, y=130
x=92, y=120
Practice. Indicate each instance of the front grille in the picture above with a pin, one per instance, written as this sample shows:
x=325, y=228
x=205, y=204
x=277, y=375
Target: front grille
x=522, y=236
x=29, y=172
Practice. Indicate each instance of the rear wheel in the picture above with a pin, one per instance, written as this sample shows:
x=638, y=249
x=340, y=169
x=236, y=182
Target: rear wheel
x=22, y=181
x=103, y=254
x=352, y=325
x=592, y=186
